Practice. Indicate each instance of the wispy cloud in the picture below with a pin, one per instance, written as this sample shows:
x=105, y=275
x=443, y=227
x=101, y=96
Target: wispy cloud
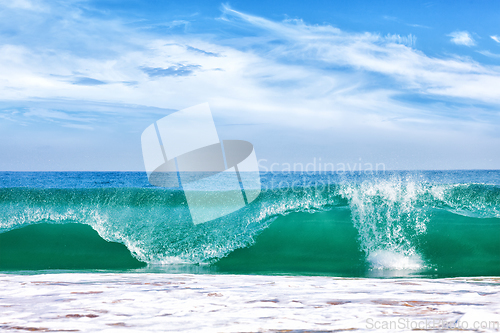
x=409, y=40
x=462, y=38
x=24, y=4
x=489, y=54
x=395, y=19
x=320, y=64
x=290, y=68
x=55, y=115
x=79, y=126
x=418, y=26
x=495, y=38
x=452, y=77
x=318, y=79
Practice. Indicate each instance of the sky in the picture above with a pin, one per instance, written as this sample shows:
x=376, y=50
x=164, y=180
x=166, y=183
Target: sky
x=409, y=85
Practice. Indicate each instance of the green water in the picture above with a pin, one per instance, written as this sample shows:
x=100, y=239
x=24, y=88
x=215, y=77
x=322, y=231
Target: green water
x=65, y=246
x=321, y=243
x=302, y=243
x=379, y=227
x=462, y=246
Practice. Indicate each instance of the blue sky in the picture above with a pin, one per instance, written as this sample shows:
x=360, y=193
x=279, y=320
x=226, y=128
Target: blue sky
x=411, y=84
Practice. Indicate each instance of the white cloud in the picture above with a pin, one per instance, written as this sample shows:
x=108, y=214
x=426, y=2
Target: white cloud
x=452, y=77
x=254, y=75
x=409, y=40
x=79, y=126
x=290, y=75
x=495, y=38
x=23, y=4
x=462, y=38
x=54, y=115
x=489, y=54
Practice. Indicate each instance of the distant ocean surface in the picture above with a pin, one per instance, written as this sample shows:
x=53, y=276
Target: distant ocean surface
x=388, y=224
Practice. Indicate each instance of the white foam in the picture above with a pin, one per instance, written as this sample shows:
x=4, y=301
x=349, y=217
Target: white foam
x=480, y=320
x=95, y=302
x=170, y=260
x=384, y=259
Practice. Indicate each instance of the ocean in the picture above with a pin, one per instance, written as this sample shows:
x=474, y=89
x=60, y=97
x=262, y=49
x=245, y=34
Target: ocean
x=314, y=252
x=432, y=224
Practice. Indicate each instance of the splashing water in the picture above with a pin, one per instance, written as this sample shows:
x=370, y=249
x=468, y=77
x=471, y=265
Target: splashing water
x=389, y=219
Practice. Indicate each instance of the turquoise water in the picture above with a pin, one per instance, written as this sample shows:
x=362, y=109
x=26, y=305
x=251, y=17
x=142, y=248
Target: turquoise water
x=439, y=223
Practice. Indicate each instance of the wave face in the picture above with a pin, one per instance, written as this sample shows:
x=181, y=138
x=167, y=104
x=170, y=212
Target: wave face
x=401, y=223
x=62, y=246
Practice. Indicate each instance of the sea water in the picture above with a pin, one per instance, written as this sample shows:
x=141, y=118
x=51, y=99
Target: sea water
x=353, y=224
